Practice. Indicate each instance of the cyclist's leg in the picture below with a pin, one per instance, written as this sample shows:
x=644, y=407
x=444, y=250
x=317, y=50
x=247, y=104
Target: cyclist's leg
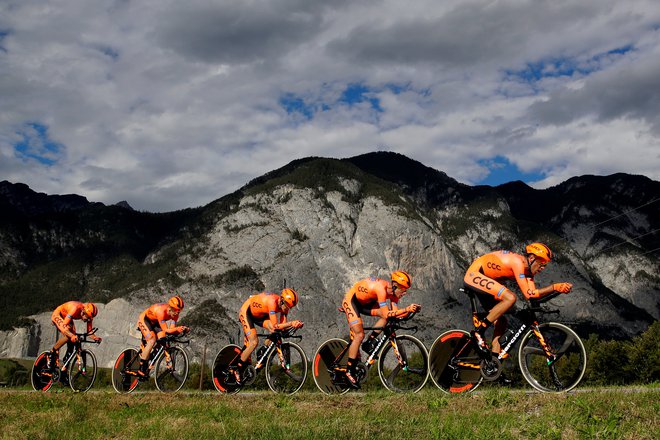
x=149, y=338
x=500, y=327
x=351, y=309
x=250, y=342
x=494, y=297
x=63, y=329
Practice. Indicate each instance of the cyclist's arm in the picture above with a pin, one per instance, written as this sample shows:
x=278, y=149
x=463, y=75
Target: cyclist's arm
x=89, y=326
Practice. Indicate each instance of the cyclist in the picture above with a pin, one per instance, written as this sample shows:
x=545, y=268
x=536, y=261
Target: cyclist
x=63, y=318
x=262, y=310
x=369, y=296
x=484, y=278
x=153, y=325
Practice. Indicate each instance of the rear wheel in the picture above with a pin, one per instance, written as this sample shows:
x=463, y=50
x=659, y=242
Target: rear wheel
x=42, y=376
x=171, y=370
x=288, y=373
x=560, y=374
x=124, y=372
x=403, y=366
x=82, y=371
x=327, y=380
x=223, y=379
x=454, y=364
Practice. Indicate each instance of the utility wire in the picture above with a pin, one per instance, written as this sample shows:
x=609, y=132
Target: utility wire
x=627, y=212
x=631, y=239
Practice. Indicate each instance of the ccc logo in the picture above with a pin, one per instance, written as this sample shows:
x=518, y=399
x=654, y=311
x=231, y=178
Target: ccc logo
x=483, y=282
x=256, y=305
x=493, y=266
x=362, y=289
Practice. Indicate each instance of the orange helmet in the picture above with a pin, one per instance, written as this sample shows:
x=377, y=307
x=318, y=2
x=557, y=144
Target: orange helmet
x=402, y=278
x=541, y=251
x=90, y=309
x=290, y=297
x=176, y=302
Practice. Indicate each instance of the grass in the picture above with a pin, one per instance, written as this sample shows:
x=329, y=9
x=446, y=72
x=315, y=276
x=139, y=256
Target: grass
x=494, y=413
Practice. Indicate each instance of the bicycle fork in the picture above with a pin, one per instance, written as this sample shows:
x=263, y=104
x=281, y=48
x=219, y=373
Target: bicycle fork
x=550, y=355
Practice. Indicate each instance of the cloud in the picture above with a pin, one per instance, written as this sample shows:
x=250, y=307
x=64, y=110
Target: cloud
x=171, y=104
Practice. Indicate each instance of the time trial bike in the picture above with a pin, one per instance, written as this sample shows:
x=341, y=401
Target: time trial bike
x=285, y=363
x=167, y=361
x=77, y=369
x=402, y=361
x=551, y=356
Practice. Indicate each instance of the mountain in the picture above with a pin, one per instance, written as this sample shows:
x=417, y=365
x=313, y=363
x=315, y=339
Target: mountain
x=319, y=225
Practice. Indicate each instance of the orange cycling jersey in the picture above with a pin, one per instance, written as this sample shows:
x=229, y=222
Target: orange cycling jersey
x=488, y=271
x=64, y=315
x=368, y=294
x=260, y=307
x=157, y=315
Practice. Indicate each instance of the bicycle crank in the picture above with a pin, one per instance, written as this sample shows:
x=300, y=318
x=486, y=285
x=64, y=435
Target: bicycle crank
x=491, y=369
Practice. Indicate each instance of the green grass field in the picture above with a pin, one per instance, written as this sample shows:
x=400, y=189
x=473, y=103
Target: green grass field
x=494, y=413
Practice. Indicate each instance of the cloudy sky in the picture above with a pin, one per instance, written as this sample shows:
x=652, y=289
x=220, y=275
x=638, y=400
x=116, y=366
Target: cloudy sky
x=171, y=104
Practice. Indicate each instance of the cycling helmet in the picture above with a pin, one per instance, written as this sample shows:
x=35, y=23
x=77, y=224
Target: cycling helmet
x=176, y=302
x=90, y=309
x=402, y=278
x=290, y=297
x=541, y=251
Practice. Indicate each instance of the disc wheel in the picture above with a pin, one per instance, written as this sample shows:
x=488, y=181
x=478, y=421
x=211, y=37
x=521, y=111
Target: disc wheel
x=124, y=371
x=561, y=373
x=454, y=362
x=327, y=381
x=41, y=376
x=286, y=371
x=223, y=379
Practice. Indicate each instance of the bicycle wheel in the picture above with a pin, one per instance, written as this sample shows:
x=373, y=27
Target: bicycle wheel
x=171, y=370
x=287, y=374
x=82, y=371
x=223, y=380
x=124, y=372
x=567, y=369
x=403, y=365
x=450, y=349
x=325, y=379
x=41, y=376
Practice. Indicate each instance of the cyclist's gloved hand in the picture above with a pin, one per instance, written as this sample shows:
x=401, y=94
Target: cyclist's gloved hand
x=297, y=324
x=182, y=329
x=96, y=339
x=74, y=338
x=413, y=308
x=562, y=287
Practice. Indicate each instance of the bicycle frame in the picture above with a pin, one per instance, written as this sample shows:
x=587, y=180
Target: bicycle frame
x=75, y=351
x=276, y=339
x=160, y=349
x=529, y=320
x=389, y=331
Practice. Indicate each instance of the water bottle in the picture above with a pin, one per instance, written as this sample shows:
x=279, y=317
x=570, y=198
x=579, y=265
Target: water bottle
x=506, y=337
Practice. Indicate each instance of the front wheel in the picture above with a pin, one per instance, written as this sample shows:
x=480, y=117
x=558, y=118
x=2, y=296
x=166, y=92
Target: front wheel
x=327, y=378
x=171, y=370
x=82, y=371
x=286, y=368
x=403, y=365
x=564, y=370
x=125, y=370
x=454, y=364
x=223, y=379
x=42, y=376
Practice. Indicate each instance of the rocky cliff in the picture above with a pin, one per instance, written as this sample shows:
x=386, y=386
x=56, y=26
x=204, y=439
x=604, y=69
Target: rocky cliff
x=318, y=225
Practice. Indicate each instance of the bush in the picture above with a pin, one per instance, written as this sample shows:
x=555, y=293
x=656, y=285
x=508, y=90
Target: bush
x=12, y=373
